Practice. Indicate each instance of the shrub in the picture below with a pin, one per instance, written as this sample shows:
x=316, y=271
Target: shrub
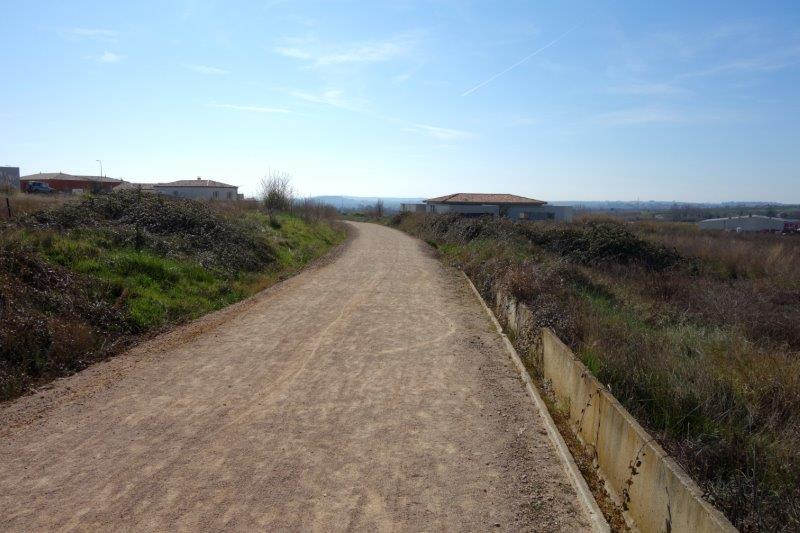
x=697, y=334
x=53, y=319
x=169, y=226
x=276, y=194
x=77, y=285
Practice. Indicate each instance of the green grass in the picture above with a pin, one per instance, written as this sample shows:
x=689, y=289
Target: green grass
x=156, y=290
x=76, y=294
x=161, y=290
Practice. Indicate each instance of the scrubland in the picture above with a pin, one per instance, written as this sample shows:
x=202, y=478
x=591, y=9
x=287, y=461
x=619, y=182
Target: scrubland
x=24, y=204
x=82, y=280
x=696, y=333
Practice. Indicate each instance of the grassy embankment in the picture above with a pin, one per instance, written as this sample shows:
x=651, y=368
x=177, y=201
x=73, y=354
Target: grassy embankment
x=22, y=204
x=697, y=334
x=84, y=280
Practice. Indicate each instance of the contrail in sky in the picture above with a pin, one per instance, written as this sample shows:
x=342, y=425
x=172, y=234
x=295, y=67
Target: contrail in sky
x=521, y=61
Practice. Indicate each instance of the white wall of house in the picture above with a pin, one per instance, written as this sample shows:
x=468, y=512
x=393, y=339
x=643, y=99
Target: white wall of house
x=198, y=193
x=413, y=208
x=560, y=213
x=465, y=209
x=438, y=208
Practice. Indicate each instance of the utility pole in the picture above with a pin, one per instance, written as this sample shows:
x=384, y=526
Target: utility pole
x=101, y=167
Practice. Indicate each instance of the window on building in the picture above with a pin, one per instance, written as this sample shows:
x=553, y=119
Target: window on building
x=230, y=195
x=216, y=194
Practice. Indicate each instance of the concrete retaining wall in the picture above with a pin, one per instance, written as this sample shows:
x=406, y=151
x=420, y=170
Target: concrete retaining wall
x=658, y=494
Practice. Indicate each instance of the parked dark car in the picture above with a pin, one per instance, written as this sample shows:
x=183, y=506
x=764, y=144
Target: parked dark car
x=37, y=187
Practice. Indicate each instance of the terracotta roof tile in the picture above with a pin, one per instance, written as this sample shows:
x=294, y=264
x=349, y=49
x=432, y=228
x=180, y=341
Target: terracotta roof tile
x=195, y=183
x=67, y=177
x=481, y=198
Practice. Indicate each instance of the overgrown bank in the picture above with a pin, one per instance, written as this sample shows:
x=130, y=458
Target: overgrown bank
x=698, y=343
x=83, y=281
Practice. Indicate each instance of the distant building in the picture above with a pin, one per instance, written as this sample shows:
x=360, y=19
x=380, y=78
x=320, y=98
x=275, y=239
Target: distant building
x=499, y=205
x=9, y=178
x=412, y=208
x=130, y=186
x=69, y=183
x=751, y=223
x=198, y=189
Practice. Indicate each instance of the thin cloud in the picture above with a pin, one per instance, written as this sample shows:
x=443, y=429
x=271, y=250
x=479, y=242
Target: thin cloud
x=205, y=69
x=310, y=51
x=294, y=53
x=525, y=121
x=251, y=108
x=92, y=33
x=272, y=3
x=692, y=45
x=109, y=57
x=649, y=89
x=336, y=98
x=439, y=133
x=766, y=63
x=520, y=62
x=331, y=97
x=365, y=53
x=638, y=116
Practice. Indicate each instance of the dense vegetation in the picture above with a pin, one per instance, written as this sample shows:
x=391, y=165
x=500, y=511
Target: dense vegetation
x=695, y=213
x=696, y=333
x=83, y=280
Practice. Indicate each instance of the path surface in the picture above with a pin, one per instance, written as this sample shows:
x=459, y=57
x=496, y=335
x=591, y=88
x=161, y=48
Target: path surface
x=370, y=393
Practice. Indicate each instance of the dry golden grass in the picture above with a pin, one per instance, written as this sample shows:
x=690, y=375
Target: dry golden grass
x=234, y=206
x=24, y=204
x=736, y=255
x=697, y=333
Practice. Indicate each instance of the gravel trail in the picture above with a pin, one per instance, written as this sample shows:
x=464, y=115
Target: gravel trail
x=368, y=393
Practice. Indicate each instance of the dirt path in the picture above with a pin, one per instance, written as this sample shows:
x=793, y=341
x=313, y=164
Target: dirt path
x=367, y=394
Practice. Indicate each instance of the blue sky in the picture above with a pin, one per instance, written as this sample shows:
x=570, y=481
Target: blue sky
x=687, y=101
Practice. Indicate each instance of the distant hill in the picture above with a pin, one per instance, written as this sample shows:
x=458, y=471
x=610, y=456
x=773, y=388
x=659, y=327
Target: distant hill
x=657, y=205
x=360, y=202
x=352, y=203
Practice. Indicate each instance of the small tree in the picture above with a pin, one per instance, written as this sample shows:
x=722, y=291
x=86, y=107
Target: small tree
x=277, y=194
x=379, y=208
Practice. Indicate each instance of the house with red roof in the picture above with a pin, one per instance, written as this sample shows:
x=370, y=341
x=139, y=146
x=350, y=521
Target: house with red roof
x=70, y=183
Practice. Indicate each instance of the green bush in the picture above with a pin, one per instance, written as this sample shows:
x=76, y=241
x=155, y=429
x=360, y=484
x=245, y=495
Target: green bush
x=77, y=285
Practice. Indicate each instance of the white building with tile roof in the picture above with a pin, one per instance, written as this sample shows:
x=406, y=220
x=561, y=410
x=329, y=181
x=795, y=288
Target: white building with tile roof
x=198, y=189
x=501, y=205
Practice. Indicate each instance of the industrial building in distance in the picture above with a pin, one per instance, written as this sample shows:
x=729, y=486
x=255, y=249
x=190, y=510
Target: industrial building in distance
x=499, y=205
x=9, y=177
x=759, y=223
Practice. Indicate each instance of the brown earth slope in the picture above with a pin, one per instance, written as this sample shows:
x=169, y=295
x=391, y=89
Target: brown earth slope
x=368, y=393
